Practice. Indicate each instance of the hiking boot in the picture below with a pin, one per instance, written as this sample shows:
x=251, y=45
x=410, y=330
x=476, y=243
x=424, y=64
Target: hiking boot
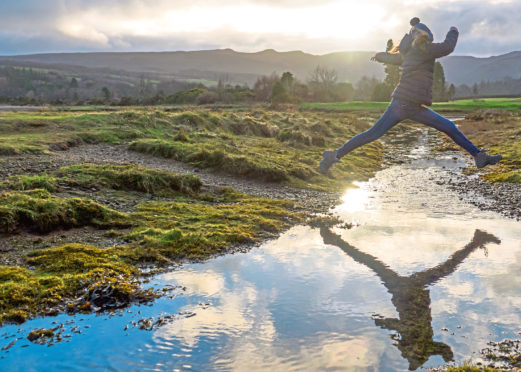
x=328, y=159
x=483, y=159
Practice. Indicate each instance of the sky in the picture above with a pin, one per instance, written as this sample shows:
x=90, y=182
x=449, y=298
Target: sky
x=487, y=27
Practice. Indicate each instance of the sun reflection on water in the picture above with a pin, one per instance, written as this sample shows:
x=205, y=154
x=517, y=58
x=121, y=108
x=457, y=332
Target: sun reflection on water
x=355, y=200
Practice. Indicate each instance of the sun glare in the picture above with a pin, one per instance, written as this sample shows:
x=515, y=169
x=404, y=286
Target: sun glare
x=355, y=200
x=338, y=20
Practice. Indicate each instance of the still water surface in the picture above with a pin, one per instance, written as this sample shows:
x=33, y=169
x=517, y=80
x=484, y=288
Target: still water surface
x=420, y=278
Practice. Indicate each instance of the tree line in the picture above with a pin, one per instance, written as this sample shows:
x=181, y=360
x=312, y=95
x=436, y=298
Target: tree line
x=22, y=85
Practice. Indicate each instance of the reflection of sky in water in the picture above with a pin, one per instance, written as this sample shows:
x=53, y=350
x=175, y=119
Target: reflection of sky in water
x=299, y=304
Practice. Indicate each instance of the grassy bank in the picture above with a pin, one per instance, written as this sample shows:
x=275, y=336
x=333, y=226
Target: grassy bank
x=184, y=224
x=501, y=130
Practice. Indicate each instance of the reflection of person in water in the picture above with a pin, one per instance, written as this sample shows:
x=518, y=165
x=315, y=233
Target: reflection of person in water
x=411, y=298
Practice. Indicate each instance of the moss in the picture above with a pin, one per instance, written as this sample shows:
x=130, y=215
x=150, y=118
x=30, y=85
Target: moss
x=512, y=176
x=40, y=333
x=14, y=316
x=78, y=258
x=43, y=181
x=66, y=274
x=39, y=211
x=196, y=230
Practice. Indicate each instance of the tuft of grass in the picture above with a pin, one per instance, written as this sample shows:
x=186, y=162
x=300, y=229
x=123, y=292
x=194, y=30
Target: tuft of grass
x=37, y=210
x=129, y=178
x=43, y=181
x=182, y=136
x=217, y=159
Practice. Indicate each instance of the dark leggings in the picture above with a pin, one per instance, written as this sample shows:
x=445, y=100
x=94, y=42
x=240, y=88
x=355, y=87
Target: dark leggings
x=399, y=111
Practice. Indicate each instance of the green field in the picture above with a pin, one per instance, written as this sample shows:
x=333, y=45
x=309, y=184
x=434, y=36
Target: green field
x=466, y=105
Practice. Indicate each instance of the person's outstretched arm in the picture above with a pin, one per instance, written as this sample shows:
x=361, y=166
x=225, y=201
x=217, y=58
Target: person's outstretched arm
x=388, y=58
x=388, y=276
x=437, y=50
x=430, y=276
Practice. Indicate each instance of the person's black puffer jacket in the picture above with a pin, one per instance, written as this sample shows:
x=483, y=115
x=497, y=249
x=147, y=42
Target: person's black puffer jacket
x=417, y=67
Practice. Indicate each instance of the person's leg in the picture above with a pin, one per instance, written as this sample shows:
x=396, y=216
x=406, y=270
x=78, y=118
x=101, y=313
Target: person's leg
x=392, y=116
x=436, y=121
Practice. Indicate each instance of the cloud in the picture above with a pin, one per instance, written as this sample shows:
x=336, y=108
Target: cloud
x=487, y=27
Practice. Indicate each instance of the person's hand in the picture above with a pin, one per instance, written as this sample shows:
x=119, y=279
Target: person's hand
x=373, y=58
x=454, y=29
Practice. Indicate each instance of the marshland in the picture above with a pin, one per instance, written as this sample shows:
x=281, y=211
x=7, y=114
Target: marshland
x=208, y=233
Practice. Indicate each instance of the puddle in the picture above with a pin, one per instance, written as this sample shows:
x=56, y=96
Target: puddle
x=422, y=278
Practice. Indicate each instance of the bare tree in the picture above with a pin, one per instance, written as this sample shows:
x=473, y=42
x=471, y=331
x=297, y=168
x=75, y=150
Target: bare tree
x=264, y=85
x=322, y=82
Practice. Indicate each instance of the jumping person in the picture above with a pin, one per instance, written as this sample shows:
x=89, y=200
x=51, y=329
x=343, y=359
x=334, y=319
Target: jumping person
x=415, y=54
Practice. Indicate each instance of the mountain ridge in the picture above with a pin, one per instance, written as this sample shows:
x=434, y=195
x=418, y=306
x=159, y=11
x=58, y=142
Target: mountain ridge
x=244, y=67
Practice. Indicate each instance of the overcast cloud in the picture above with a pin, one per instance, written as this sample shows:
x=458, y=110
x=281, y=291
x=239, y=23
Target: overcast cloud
x=487, y=27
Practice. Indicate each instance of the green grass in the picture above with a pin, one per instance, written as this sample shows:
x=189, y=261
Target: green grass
x=511, y=104
x=37, y=210
x=126, y=177
x=107, y=176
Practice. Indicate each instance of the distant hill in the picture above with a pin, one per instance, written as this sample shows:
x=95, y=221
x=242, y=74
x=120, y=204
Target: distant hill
x=237, y=67
x=469, y=70
x=213, y=65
